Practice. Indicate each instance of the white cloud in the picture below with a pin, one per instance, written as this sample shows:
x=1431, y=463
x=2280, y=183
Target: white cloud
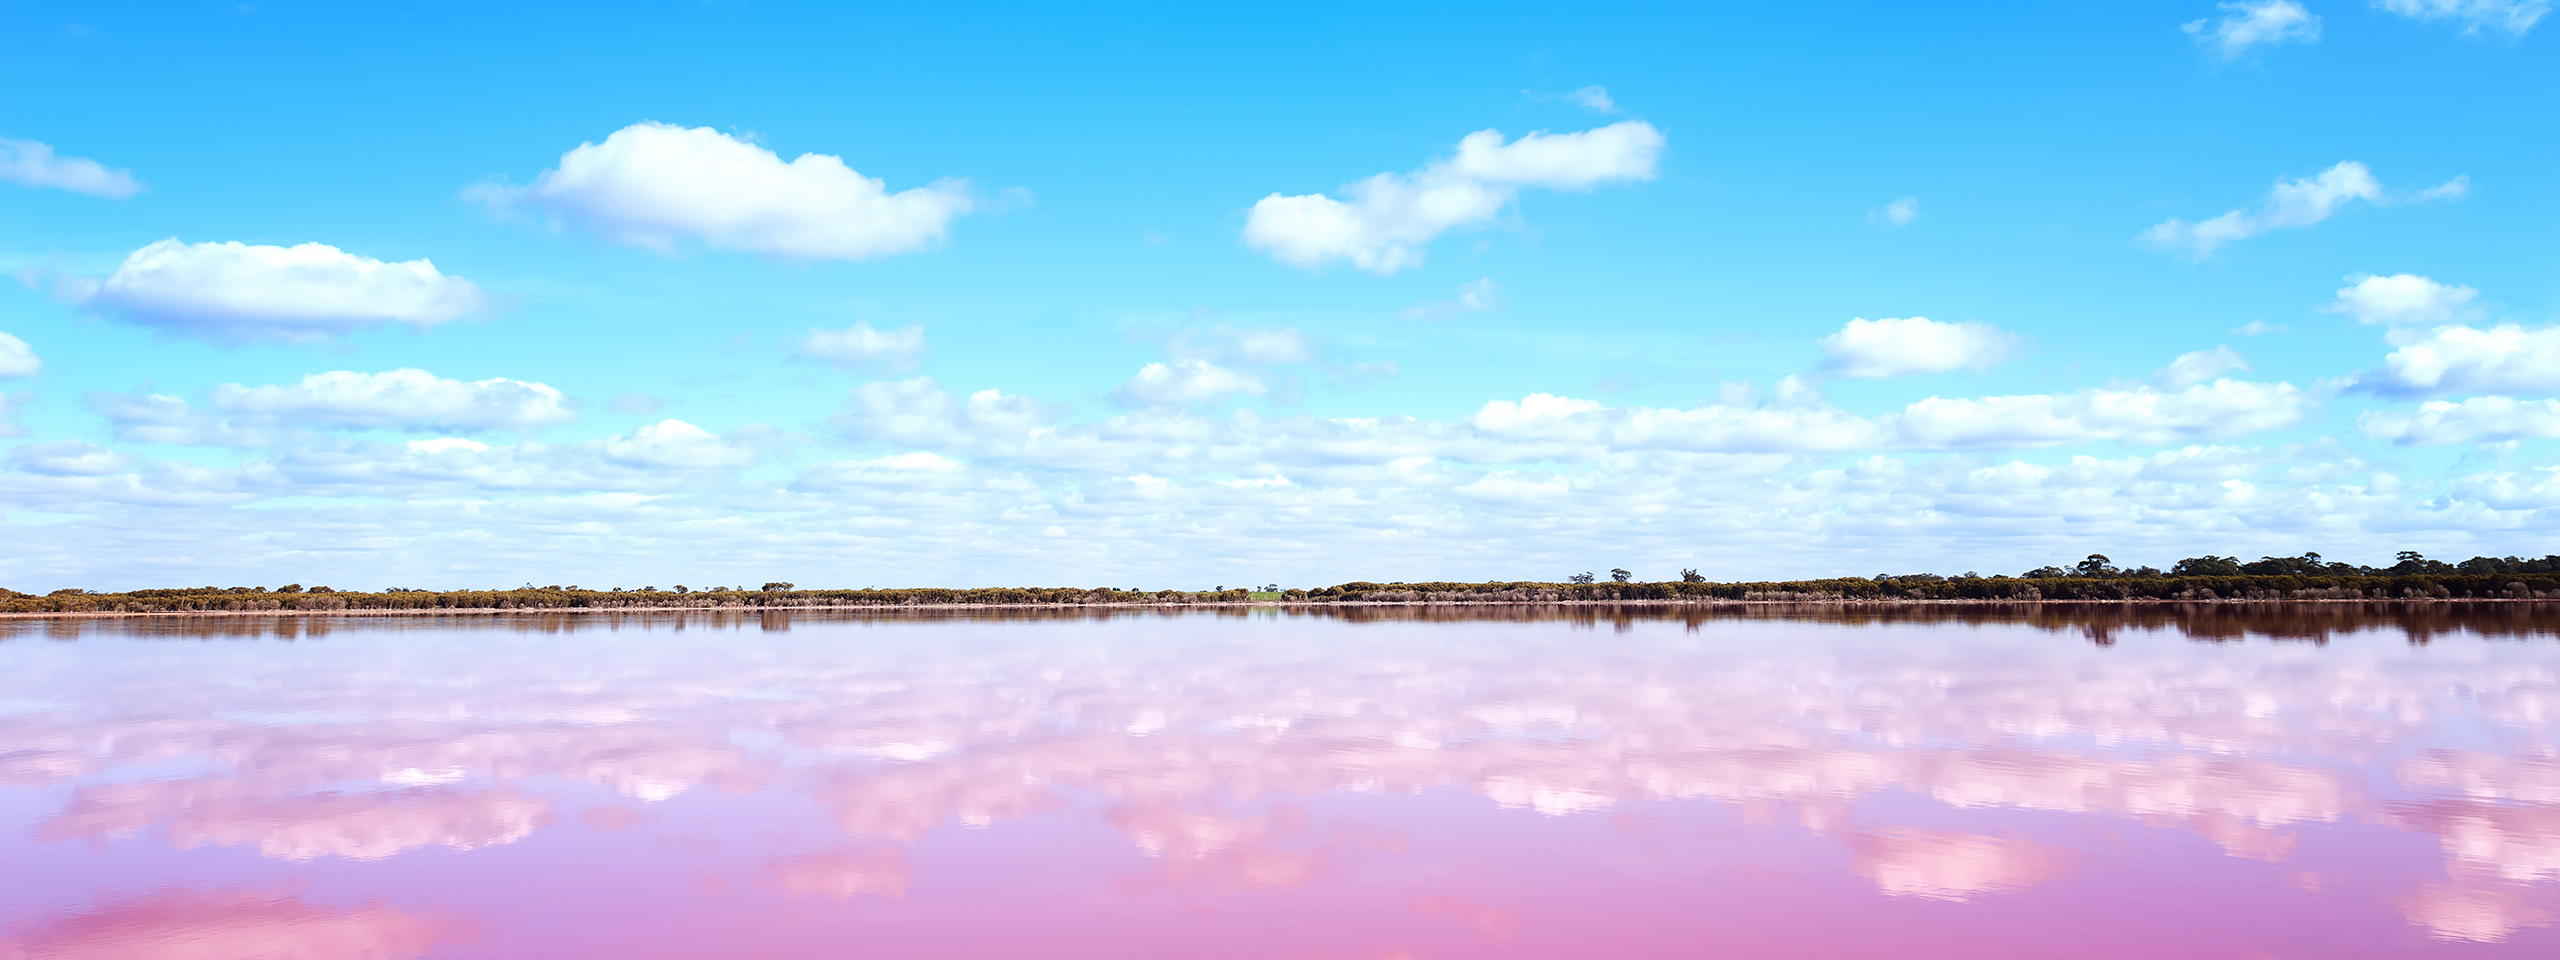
x=1570, y=428
x=1225, y=344
x=2511, y=17
x=655, y=184
x=2259, y=328
x=1899, y=213
x=17, y=359
x=67, y=458
x=1183, y=381
x=675, y=443
x=162, y=418
x=405, y=398
x=2245, y=25
x=1594, y=98
x=32, y=164
x=2205, y=411
x=2473, y=420
x=2198, y=367
x=443, y=444
x=860, y=347
x=2461, y=359
x=914, y=469
x=920, y=412
x=1870, y=349
x=2401, y=298
x=2292, y=204
x=1474, y=297
x=1390, y=217
x=2454, y=189
x=305, y=292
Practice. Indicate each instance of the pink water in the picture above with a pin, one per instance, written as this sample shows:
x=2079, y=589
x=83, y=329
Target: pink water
x=2373, y=782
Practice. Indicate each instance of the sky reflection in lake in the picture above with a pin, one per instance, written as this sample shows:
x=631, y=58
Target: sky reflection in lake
x=2332, y=781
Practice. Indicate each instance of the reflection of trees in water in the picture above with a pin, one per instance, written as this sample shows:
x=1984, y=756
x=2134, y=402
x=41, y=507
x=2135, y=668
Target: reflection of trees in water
x=2316, y=622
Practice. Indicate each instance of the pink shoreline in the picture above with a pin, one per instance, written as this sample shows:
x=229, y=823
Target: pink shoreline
x=1293, y=604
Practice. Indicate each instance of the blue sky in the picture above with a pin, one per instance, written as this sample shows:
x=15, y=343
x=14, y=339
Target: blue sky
x=2243, y=279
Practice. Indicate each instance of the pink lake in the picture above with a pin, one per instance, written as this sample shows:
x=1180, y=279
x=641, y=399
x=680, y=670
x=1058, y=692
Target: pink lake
x=2337, y=780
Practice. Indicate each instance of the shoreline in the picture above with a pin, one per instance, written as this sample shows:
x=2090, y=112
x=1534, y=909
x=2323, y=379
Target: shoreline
x=1264, y=604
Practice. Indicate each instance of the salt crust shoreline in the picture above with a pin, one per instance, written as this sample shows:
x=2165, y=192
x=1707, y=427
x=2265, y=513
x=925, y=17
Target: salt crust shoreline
x=1255, y=604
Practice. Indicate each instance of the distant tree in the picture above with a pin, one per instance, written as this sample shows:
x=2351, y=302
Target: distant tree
x=1583, y=577
x=2045, y=573
x=679, y=588
x=2096, y=566
x=1618, y=575
x=774, y=585
x=2206, y=566
x=649, y=589
x=290, y=588
x=1690, y=576
x=2413, y=562
x=2307, y=564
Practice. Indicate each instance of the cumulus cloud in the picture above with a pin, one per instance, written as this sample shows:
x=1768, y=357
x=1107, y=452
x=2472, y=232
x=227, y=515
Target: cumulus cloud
x=17, y=359
x=1388, y=218
x=1183, y=381
x=1579, y=428
x=1872, y=349
x=67, y=458
x=306, y=292
x=654, y=185
x=1899, y=213
x=1255, y=346
x=2246, y=25
x=2292, y=204
x=2198, y=367
x=1475, y=297
x=2204, y=411
x=1594, y=98
x=914, y=469
x=2401, y=298
x=163, y=418
x=28, y=163
x=2461, y=359
x=2473, y=420
x=405, y=398
x=860, y=347
x=919, y=411
x=2511, y=17
x=675, y=443
x=2454, y=189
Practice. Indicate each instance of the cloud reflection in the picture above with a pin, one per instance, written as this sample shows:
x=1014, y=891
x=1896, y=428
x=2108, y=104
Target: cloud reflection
x=1197, y=736
x=1909, y=862
x=226, y=925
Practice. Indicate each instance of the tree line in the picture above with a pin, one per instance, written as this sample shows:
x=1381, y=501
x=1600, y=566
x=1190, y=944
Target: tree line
x=2307, y=577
